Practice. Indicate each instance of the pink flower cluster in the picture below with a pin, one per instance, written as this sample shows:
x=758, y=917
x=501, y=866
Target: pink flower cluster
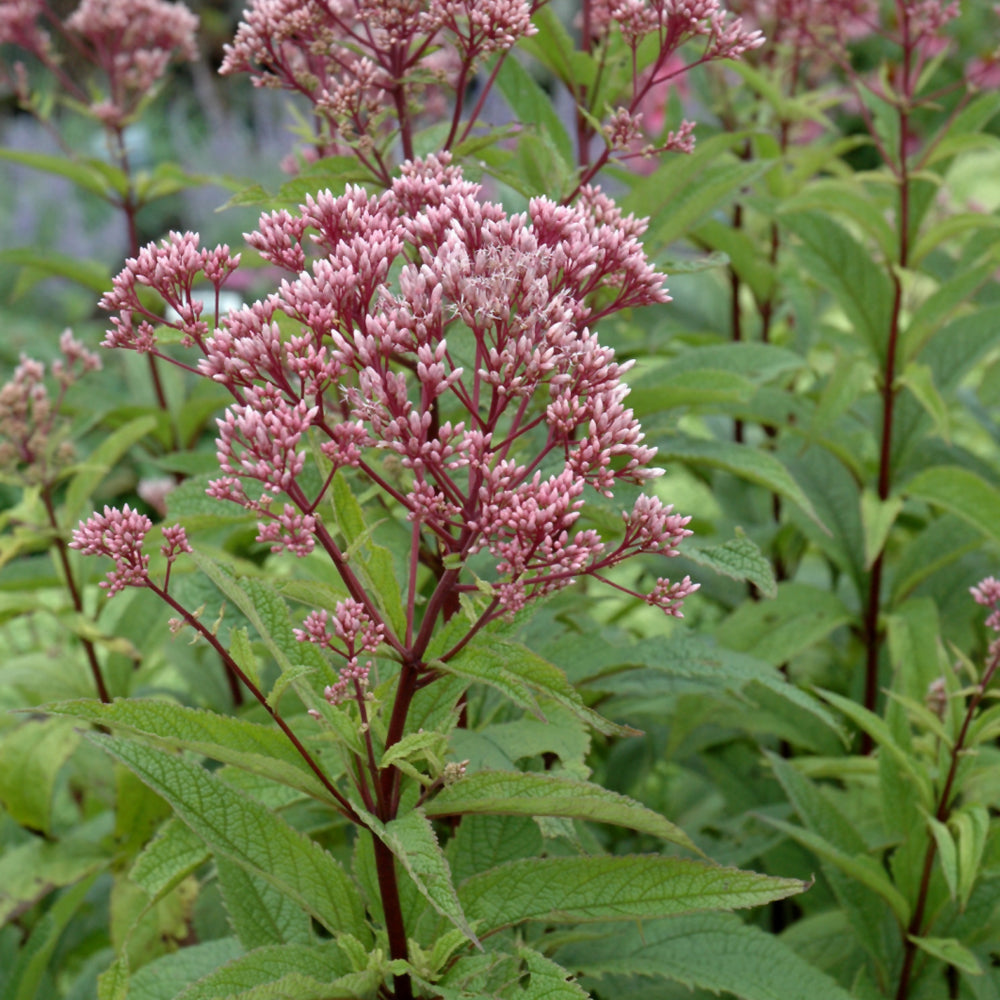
x=131, y=44
x=354, y=632
x=443, y=349
x=31, y=445
x=674, y=22
x=119, y=535
x=352, y=58
x=987, y=593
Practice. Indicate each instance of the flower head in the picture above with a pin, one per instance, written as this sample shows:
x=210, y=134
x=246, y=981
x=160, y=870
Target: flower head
x=117, y=534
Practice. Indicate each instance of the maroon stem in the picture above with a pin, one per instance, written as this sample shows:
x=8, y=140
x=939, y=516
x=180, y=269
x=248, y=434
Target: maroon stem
x=74, y=593
x=916, y=927
x=232, y=666
x=872, y=630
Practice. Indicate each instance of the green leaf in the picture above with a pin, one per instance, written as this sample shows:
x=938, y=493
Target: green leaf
x=267, y=611
x=972, y=828
x=685, y=190
x=414, y=844
x=529, y=794
x=51, y=264
x=89, y=174
x=961, y=492
x=113, y=983
x=947, y=854
x=173, y=854
x=519, y=673
x=738, y=558
x=100, y=462
x=877, y=729
x=482, y=842
x=580, y=889
x=744, y=254
x=752, y=464
x=861, y=867
x=282, y=972
x=33, y=754
x=867, y=911
x=30, y=871
x=166, y=977
x=241, y=829
x=777, y=630
x=951, y=951
x=919, y=379
x=532, y=106
x=36, y=954
x=842, y=265
x=261, y=749
x=877, y=518
x=260, y=914
x=547, y=980
x=705, y=951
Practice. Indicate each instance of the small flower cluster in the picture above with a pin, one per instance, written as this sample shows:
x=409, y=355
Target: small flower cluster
x=987, y=593
x=32, y=446
x=119, y=535
x=443, y=349
x=674, y=23
x=351, y=58
x=130, y=45
x=354, y=633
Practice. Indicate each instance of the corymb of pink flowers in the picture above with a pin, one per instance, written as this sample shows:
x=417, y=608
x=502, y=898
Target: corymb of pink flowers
x=442, y=349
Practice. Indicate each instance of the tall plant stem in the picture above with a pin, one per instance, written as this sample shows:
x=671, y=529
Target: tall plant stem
x=872, y=628
x=74, y=594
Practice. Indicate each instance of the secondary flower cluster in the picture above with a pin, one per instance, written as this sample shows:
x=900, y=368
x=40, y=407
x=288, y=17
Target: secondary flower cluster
x=130, y=44
x=353, y=58
x=32, y=448
x=442, y=349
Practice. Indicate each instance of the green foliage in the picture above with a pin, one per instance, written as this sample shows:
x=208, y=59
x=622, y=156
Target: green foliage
x=499, y=810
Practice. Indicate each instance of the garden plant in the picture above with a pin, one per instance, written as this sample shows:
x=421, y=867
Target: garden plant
x=539, y=540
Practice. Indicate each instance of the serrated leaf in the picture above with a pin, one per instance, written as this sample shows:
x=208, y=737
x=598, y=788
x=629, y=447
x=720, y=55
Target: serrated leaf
x=519, y=673
x=530, y=794
x=173, y=854
x=752, y=464
x=260, y=749
x=414, y=844
x=705, y=951
x=548, y=980
x=260, y=914
x=738, y=558
x=113, y=983
x=267, y=611
x=951, y=951
x=581, y=889
x=166, y=977
x=241, y=829
x=961, y=492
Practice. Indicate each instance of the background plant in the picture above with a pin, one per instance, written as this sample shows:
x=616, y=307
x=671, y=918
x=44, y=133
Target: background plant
x=819, y=390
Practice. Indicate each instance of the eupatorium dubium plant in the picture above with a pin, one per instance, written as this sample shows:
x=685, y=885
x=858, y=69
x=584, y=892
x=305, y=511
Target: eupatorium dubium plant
x=438, y=352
